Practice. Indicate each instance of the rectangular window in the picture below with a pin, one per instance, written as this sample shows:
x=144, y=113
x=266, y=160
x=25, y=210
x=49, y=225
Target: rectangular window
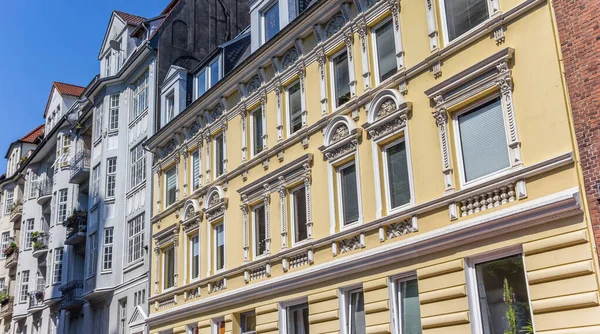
x=98, y=122
x=169, y=268
x=248, y=323
x=296, y=319
x=40, y=283
x=260, y=231
x=58, y=265
x=111, y=177
x=8, y=201
x=33, y=184
x=219, y=242
x=140, y=96
x=62, y=205
x=135, y=238
x=348, y=194
x=499, y=292
x=341, y=79
x=201, y=82
x=299, y=214
x=195, y=257
x=294, y=107
x=355, y=312
x=386, y=51
x=219, y=155
x=138, y=166
x=5, y=243
x=196, y=176
x=270, y=22
x=123, y=316
x=92, y=255
x=108, y=249
x=218, y=326
x=96, y=183
x=214, y=72
x=407, y=314
x=24, y=291
x=3, y=287
x=483, y=140
x=170, y=102
x=464, y=15
x=396, y=171
x=29, y=226
x=257, y=131
x=113, y=115
x=171, y=187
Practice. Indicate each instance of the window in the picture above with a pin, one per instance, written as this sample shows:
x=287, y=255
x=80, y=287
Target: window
x=386, y=51
x=98, y=122
x=169, y=268
x=407, y=312
x=24, y=291
x=248, y=323
x=92, y=255
x=57, y=265
x=297, y=7
x=299, y=214
x=219, y=155
x=270, y=22
x=348, y=194
x=464, y=15
x=9, y=200
x=396, y=173
x=62, y=205
x=108, y=249
x=195, y=257
x=96, y=183
x=111, y=177
x=140, y=96
x=170, y=105
x=354, y=316
x=29, y=226
x=218, y=326
x=63, y=147
x=171, y=187
x=295, y=319
x=33, y=184
x=257, y=131
x=219, y=242
x=497, y=288
x=191, y=329
x=107, y=65
x=40, y=283
x=113, y=114
x=260, y=231
x=138, y=166
x=201, y=82
x=341, y=79
x=294, y=107
x=208, y=76
x=135, y=238
x=3, y=287
x=482, y=139
x=123, y=316
x=196, y=176
x=214, y=72
x=5, y=243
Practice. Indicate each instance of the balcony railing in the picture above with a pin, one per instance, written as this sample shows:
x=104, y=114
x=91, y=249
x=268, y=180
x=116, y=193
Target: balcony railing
x=72, y=295
x=80, y=166
x=40, y=243
x=16, y=211
x=76, y=227
x=36, y=299
x=44, y=190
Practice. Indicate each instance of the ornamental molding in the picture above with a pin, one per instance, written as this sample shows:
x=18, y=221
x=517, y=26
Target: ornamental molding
x=167, y=236
x=387, y=114
x=218, y=285
x=348, y=244
x=216, y=204
x=398, y=229
x=334, y=25
x=341, y=139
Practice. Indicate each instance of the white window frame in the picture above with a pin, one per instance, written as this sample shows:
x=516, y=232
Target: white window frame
x=253, y=131
x=242, y=317
x=137, y=172
x=96, y=182
x=215, y=247
x=263, y=22
x=493, y=9
x=375, y=52
x=170, y=108
x=113, y=112
x=140, y=89
x=191, y=254
x=136, y=237
x=108, y=238
x=209, y=68
x=5, y=243
x=293, y=214
x=92, y=255
x=395, y=312
x=111, y=177
x=340, y=203
x=123, y=315
x=332, y=78
x=29, y=228
x=216, y=163
x=33, y=180
x=164, y=267
x=166, y=191
x=57, y=265
x=386, y=174
x=9, y=200
x=345, y=306
x=255, y=222
x=289, y=108
x=24, y=287
x=283, y=312
x=61, y=207
x=458, y=145
x=193, y=180
x=98, y=117
x=214, y=324
x=197, y=80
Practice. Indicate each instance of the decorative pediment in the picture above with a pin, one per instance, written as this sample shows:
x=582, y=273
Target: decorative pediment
x=170, y=147
x=167, y=236
x=335, y=24
x=138, y=316
x=341, y=139
x=387, y=114
x=216, y=203
x=191, y=215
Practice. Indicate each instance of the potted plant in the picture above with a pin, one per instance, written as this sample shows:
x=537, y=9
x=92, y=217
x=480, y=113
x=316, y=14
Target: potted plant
x=10, y=249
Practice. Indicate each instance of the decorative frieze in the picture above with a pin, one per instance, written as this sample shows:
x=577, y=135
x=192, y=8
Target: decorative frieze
x=253, y=274
x=348, y=244
x=388, y=118
x=218, y=285
x=192, y=293
x=488, y=199
x=341, y=139
x=298, y=260
x=398, y=229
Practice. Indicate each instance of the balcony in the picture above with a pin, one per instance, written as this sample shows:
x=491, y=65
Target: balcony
x=16, y=212
x=40, y=243
x=76, y=227
x=11, y=254
x=6, y=306
x=36, y=300
x=44, y=188
x=72, y=295
x=80, y=167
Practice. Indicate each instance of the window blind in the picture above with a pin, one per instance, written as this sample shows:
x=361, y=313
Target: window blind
x=464, y=15
x=386, y=51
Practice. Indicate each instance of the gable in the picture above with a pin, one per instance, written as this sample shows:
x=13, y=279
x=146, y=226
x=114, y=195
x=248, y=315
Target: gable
x=115, y=29
x=138, y=316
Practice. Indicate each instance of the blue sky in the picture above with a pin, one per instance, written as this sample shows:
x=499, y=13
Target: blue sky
x=43, y=41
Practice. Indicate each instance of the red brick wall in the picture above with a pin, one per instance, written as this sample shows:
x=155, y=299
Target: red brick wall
x=579, y=31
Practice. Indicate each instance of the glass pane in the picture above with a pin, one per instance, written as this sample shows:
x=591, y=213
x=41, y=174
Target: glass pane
x=349, y=194
x=483, y=140
x=271, y=17
x=219, y=154
x=464, y=15
x=503, y=298
x=248, y=323
x=397, y=169
x=261, y=230
x=342, y=79
x=386, y=51
x=357, y=313
x=295, y=105
x=195, y=256
x=300, y=214
x=201, y=84
x=298, y=319
x=410, y=312
x=258, y=131
x=214, y=73
x=220, y=236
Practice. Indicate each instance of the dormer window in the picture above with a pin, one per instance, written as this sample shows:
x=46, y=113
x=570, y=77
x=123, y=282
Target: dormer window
x=270, y=19
x=170, y=107
x=107, y=65
x=208, y=76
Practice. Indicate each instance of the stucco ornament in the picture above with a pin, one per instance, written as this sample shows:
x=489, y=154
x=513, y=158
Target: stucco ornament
x=289, y=58
x=334, y=25
x=340, y=133
x=400, y=228
x=253, y=84
x=387, y=107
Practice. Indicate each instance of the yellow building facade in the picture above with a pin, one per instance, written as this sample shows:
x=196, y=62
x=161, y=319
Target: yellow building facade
x=377, y=168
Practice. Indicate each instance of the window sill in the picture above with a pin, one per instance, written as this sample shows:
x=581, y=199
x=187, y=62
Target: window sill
x=109, y=200
x=494, y=175
x=134, y=265
x=108, y=272
x=138, y=118
x=468, y=34
x=136, y=188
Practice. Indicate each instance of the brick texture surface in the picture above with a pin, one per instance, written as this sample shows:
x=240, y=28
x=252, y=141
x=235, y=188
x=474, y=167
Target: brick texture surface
x=578, y=24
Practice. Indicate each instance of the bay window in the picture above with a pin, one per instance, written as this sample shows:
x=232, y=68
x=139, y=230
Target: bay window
x=135, y=239
x=140, y=96
x=137, y=169
x=24, y=289
x=294, y=108
x=386, y=50
x=341, y=78
x=113, y=114
x=62, y=205
x=9, y=199
x=96, y=183
x=57, y=265
x=108, y=249
x=111, y=177
x=464, y=15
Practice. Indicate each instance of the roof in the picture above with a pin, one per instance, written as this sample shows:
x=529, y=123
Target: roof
x=68, y=89
x=34, y=135
x=130, y=18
